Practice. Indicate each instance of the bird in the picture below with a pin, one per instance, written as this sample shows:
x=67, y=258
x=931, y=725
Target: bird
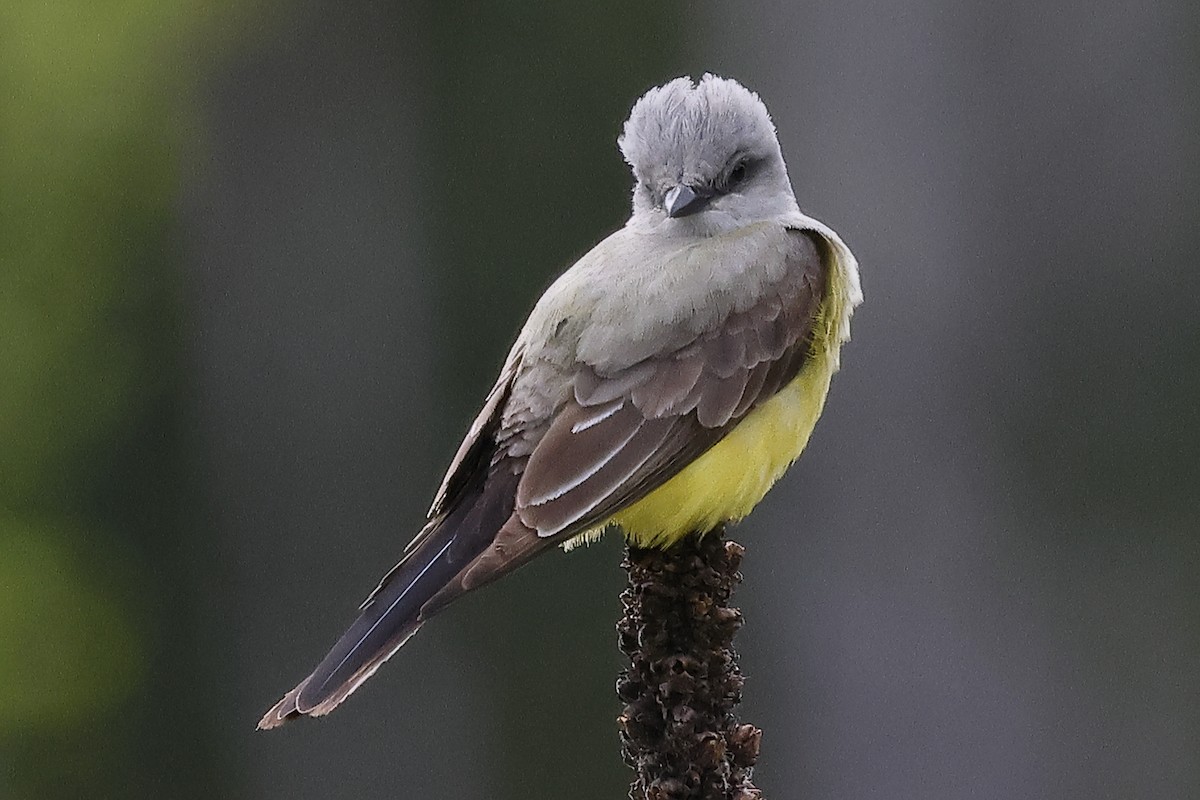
x=659, y=386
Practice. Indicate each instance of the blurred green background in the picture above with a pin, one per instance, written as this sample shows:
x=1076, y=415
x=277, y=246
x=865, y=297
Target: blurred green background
x=259, y=264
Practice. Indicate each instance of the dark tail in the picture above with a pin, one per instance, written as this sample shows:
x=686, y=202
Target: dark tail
x=396, y=610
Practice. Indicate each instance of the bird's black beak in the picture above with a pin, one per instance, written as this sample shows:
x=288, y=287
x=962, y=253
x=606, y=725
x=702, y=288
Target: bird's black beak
x=683, y=201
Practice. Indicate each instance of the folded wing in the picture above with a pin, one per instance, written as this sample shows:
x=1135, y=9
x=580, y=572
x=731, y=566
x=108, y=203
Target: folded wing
x=623, y=434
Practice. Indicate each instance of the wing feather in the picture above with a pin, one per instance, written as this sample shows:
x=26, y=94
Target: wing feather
x=671, y=383
x=593, y=389
x=756, y=378
x=580, y=499
x=476, y=449
x=725, y=355
x=581, y=452
x=720, y=400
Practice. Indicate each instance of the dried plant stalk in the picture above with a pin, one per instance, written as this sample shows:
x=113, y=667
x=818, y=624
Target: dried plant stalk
x=679, y=730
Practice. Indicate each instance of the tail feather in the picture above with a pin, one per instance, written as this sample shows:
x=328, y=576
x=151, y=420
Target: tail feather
x=396, y=610
x=294, y=705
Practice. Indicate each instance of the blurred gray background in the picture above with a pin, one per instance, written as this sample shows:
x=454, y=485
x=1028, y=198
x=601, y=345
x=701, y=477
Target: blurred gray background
x=981, y=579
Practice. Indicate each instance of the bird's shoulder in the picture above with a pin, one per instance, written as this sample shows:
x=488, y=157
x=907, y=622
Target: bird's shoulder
x=636, y=294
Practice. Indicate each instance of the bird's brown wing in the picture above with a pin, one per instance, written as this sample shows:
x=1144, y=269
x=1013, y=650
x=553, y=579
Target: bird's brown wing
x=623, y=434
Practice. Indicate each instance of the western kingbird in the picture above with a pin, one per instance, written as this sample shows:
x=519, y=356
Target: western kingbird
x=661, y=385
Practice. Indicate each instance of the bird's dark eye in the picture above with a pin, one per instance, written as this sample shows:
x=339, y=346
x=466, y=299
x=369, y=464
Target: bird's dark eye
x=738, y=174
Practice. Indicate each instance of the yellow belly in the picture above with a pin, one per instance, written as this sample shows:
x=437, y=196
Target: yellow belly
x=729, y=480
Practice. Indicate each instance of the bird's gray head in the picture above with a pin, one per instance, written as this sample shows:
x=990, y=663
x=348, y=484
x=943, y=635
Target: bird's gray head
x=706, y=152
